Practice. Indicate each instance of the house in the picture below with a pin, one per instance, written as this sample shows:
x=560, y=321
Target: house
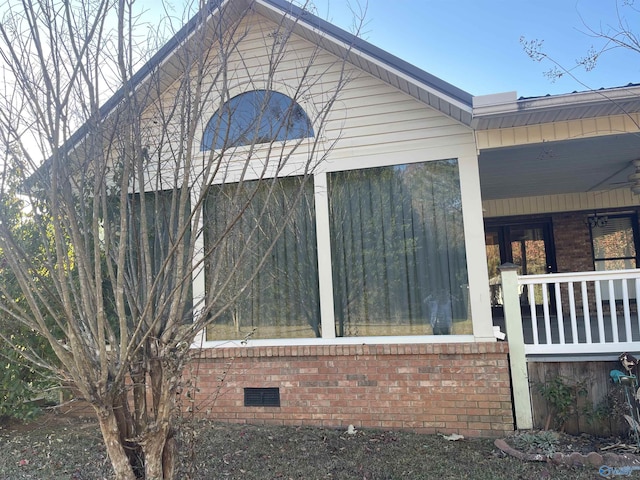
x=389, y=324
x=377, y=309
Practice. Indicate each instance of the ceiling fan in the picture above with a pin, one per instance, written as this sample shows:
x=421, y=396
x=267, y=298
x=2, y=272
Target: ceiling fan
x=633, y=179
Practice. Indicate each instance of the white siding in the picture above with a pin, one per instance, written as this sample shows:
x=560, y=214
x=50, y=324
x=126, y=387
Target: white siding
x=621, y=197
x=372, y=123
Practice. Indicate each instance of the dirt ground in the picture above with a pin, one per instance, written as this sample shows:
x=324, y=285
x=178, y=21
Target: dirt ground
x=70, y=447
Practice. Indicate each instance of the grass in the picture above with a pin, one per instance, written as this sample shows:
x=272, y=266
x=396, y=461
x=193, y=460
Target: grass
x=70, y=448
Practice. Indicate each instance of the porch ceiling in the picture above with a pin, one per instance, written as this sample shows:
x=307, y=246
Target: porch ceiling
x=572, y=166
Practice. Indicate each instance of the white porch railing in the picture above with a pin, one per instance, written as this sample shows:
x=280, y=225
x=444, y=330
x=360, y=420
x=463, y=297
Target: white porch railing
x=566, y=314
x=578, y=313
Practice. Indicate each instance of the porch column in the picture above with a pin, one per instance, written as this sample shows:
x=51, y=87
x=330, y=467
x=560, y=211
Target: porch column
x=197, y=275
x=474, y=240
x=515, y=337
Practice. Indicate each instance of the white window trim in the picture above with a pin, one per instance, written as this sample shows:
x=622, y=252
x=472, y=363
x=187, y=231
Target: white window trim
x=381, y=340
x=473, y=221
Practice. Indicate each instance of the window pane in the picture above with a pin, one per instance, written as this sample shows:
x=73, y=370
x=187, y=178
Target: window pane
x=621, y=264
x=399, y=265
x=614, y=249
x=258, y=116
x=270, y=282
x=162, y=235
x=528, y=250
x=492, y=245
x=614, y=240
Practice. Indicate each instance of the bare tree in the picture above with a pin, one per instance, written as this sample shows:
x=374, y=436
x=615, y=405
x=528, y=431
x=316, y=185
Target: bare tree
x=606, y=37
x=117, y=288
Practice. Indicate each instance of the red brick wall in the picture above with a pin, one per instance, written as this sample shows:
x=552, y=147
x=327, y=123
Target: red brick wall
x=572, y=242
x=449, y=388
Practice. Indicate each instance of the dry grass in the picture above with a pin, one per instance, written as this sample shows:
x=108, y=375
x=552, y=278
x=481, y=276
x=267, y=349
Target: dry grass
x=71, y=448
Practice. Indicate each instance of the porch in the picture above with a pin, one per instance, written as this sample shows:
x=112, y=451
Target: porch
x=566, y=317
x=559, y=178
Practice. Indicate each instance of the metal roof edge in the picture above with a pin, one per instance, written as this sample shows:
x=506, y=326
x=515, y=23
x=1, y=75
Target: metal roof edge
x=508, y=105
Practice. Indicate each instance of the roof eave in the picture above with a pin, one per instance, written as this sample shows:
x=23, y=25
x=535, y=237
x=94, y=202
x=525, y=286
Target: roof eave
x=506, y=110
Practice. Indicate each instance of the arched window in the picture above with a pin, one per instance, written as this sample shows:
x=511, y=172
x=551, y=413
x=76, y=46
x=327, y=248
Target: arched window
x=258, y=116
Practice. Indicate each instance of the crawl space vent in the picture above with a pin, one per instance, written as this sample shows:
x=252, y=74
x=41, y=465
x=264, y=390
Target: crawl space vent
x=262, y=397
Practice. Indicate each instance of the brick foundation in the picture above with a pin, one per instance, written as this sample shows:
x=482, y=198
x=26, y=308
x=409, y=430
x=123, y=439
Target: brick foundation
x=451, y=388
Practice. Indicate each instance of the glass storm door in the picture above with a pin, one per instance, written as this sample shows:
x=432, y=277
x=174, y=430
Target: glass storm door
x=529, y=246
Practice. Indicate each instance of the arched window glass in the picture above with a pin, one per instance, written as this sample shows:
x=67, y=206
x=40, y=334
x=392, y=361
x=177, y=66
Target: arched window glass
x=258, y=116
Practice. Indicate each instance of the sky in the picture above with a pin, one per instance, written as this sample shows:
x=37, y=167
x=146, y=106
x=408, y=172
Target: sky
x=475, y=44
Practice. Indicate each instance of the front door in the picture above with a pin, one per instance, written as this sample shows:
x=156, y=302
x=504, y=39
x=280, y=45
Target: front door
x=528, y=245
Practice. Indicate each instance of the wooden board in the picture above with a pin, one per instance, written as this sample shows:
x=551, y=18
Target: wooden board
x=595, y=378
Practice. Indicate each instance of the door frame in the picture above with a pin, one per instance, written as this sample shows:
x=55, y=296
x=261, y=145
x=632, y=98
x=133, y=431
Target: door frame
x=503, y=226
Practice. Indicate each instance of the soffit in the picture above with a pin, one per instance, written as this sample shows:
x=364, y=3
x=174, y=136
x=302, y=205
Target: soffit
x=549, y=168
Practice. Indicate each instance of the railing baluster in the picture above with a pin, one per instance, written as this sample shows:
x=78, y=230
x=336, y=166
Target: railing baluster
x=585, y=312
x=545, y=309
x=572, y=313
x=559, y=314
x=601, y=338
x=613, y=312
x=626, y=310
x=534, y=314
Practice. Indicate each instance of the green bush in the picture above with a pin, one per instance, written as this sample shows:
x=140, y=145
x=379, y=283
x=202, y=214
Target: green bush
x=23, y=388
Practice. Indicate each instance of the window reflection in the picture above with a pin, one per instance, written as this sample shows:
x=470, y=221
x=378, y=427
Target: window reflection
x=258, y=116
x=399, y=264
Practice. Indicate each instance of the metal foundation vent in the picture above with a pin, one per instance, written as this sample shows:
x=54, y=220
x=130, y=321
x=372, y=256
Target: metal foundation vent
x=262, y=397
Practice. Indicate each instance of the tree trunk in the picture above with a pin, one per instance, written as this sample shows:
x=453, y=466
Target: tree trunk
x=159, y=454
x=158, y=450
x=111, y=435
x=158, y=444
x=127, y=427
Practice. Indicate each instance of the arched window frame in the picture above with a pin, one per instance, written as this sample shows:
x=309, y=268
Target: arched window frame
x=221, y=133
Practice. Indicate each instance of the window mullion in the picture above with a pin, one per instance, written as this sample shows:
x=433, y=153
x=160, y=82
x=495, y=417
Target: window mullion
x=323, y=239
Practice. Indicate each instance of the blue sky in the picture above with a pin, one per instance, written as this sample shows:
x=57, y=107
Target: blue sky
x=475, y=44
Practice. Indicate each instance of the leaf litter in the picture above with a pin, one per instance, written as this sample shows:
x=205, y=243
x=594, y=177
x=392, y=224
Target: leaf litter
x=70, y=448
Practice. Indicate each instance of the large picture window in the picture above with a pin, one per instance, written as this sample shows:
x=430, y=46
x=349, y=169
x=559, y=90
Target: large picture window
x=262, y=268
x=398, y=252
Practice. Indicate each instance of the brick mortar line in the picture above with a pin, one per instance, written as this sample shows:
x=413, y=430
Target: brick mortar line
x=458, y=349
